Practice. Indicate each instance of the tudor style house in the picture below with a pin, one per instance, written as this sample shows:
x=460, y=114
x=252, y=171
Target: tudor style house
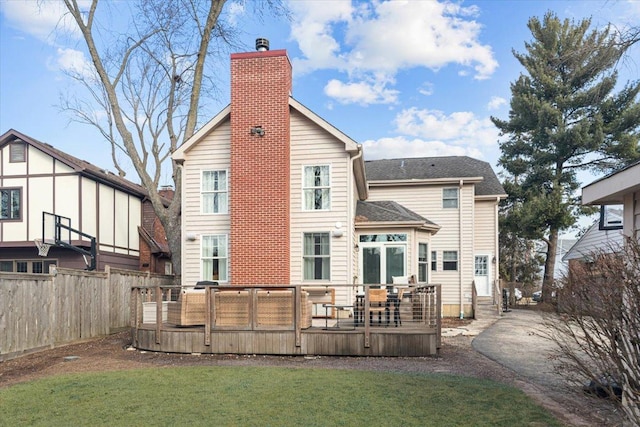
x=39, y=182
x=274, y=195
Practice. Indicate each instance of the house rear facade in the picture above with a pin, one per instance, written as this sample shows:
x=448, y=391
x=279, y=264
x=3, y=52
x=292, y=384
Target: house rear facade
x=275, y=195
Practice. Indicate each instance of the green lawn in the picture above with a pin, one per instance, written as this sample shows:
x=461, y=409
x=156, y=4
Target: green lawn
x=249, y=396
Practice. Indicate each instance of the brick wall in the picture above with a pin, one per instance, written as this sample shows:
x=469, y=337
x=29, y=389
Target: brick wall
x=260, y=168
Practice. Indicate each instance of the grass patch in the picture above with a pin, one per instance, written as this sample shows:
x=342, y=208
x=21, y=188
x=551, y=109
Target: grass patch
x=251, y=396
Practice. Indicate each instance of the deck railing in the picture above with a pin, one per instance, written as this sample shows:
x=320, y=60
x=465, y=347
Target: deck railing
x=299, y=308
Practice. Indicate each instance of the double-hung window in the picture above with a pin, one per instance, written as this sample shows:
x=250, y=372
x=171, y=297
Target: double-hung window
x=423, y=262
x=450, y=198
x=10, y=203
x=450, y=260
x=316, y=258
x=434, y=261
x=316, y=188
x=214, y=257
x=214, y=191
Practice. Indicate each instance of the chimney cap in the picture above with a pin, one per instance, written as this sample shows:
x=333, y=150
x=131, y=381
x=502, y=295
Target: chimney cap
x=262, y=45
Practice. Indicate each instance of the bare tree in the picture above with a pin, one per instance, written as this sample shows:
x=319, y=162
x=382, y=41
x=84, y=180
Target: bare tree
x=598, y=330
x=146, y=86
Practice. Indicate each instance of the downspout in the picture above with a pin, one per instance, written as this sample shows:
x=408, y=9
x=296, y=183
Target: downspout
x=460, y=275
x=496, y=256
x=354, y=262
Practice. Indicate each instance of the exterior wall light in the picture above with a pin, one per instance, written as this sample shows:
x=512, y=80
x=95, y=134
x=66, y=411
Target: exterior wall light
x=257, y=130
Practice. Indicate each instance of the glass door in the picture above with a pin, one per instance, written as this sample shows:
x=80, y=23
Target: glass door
x=379, y=269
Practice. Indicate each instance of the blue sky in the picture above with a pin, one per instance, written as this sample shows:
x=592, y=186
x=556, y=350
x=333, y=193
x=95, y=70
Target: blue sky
x=404, y=78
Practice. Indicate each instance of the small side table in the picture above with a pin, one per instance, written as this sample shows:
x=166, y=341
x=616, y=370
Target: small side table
x=338, y=308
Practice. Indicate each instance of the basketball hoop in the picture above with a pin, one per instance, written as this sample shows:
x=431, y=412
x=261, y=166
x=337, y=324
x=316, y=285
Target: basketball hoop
x=43, y=248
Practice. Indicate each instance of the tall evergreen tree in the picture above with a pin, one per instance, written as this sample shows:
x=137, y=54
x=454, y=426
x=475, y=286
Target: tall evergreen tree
x=564, y=118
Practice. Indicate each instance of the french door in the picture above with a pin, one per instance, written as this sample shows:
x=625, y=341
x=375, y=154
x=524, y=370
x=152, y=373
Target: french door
x=379, y=263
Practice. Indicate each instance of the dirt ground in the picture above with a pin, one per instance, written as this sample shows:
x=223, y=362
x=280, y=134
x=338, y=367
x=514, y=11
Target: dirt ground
x=457, y=357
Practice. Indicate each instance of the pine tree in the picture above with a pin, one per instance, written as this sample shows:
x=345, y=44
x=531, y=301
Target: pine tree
x=564, y=118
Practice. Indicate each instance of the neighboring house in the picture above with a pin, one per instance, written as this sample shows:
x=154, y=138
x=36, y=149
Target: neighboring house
x=35, y=178
x=596, y=240
x=273, y=195
x=155, y=255
x=619, y=188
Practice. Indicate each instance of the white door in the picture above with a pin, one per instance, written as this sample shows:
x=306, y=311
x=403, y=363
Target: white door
x=379, y=263
x=482, y=276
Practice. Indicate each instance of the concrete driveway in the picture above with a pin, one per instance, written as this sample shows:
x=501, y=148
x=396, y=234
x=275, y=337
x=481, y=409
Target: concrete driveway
x=516, y=341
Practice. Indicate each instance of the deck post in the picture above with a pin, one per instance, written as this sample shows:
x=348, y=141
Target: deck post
x=207, y=315
x=367, y=323
x=438, y=319
x=298, y=314
x=158, y=293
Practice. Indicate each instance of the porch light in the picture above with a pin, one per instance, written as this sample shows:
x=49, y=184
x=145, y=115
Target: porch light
x=191, y=237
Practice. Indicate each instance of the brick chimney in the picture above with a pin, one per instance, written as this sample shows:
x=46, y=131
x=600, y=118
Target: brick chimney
x=260, y=168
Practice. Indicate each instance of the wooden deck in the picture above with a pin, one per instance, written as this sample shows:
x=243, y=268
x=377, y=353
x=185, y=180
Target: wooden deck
x=334, y=335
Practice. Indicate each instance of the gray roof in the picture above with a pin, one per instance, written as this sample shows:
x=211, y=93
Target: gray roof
x=434, y=168
x=387, y=211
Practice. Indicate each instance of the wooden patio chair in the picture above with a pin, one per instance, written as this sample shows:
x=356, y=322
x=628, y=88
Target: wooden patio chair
x=378, y=303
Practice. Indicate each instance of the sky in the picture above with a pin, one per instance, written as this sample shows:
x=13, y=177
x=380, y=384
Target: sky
x=409, y=78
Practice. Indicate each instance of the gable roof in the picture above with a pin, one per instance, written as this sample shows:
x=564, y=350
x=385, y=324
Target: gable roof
x=352, y=147
x=82, y=167
x=435, y=169
x=388, y=212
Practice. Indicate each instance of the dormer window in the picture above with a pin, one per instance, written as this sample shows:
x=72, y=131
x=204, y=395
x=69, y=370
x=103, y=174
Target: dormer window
x=17, y=152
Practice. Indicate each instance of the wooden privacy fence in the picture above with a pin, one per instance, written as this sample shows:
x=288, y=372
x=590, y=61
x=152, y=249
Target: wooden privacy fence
x=40, y=311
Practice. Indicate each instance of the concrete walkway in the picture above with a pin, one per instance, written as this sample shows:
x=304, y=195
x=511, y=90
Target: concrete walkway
x=516, y=341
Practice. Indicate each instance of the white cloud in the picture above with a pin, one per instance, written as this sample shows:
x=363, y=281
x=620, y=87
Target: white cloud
x=387, y=148
x=496, y=102
x=360, y=92
x=461, y=128
x=426, y=89
x=41, y=19
x=74, y=62
x=381, y=38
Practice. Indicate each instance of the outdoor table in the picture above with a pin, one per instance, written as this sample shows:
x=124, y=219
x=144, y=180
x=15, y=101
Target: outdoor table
x=337, y=307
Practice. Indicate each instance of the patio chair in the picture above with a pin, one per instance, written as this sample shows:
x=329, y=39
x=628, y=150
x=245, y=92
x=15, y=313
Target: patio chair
x=378, y=303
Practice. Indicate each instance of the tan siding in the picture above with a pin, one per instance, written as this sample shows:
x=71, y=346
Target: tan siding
x=211, y=153
x=485, y=229
x=427, y=201
x=311, y=145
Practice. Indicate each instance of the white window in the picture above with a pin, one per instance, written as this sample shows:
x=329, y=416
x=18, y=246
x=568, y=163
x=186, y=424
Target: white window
x=214, y=257
x=214, y=191
x=316, y=188
x=9, y=203
x=317, y=258
x=450, y=260
x=450, y=198
x=423, y=263
x=434, y=261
